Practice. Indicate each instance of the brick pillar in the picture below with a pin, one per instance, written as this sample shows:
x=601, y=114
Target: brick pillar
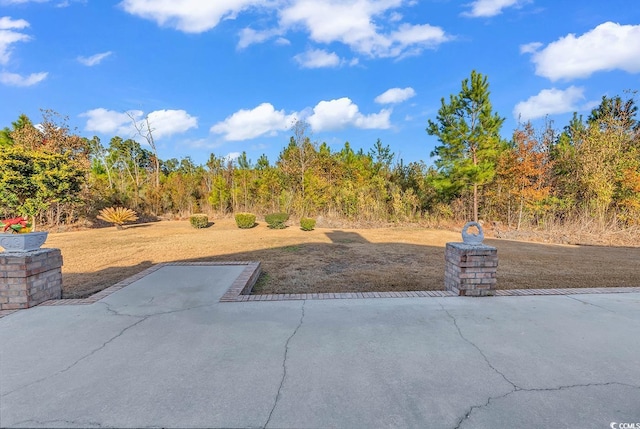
x=29, y=278
x=470, y=269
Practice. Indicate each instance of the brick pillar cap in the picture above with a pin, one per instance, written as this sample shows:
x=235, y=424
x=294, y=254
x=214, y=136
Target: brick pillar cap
x=465, y=246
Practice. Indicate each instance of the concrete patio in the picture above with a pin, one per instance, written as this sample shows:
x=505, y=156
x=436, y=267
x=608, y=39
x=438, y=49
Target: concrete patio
x=164, y=352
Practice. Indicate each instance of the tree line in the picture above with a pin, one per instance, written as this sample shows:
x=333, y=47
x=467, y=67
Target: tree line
x=589, y=169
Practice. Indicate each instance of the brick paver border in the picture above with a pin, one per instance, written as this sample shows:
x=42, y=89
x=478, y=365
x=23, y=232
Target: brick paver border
x=241, y=288
x=424, y=294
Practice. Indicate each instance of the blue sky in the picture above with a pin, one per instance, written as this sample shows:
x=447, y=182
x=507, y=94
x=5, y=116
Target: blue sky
x=226, y=76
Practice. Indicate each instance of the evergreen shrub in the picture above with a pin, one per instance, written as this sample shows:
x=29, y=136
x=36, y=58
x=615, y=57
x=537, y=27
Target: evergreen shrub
x=199, y=220
x=307, y=224
x=276, y=220
x=245, y=220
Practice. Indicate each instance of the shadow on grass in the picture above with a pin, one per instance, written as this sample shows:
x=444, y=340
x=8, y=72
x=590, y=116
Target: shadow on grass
x=89, y=283
x=338, y=236
x=350, y=263
x=136, y=226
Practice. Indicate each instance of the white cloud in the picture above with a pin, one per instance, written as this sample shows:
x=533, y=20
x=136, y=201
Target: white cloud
x=317, y=58
x=9, y=36
x=343, y=113
x=111, y=122
x=163, y=123
x=249, y=36
x=231, y=156
x=325, y=116
x=549, y=102
x=353, y=23
x=348, y=22
x=609, y=46
x=530, y=48
x=94, y=59
x=249, y=124
x=395, y=95
x=425, y=34
x=14, y=79
x=6, y=23
x=358, y=24
x=190, y=16
x=395, y=17
x=489, y=8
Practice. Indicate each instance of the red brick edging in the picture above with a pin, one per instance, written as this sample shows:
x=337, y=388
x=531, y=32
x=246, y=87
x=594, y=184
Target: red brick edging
x=426, y=294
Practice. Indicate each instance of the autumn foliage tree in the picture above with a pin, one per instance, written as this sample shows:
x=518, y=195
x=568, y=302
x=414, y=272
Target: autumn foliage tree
x=525, y=169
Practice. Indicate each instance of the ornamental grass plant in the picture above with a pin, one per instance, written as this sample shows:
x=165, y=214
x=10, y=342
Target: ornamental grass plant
x=117, y=216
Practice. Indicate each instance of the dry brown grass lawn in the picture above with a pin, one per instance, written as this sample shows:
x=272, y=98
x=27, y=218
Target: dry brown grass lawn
x=329, y=260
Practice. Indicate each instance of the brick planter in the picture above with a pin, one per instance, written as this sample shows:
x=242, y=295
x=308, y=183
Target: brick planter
x=30, y=278
x=470, y=269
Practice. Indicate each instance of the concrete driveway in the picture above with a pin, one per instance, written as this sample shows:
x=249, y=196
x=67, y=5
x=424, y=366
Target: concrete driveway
x=163, y=352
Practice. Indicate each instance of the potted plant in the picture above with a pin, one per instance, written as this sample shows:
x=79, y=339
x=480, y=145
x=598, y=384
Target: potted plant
x=17, y=235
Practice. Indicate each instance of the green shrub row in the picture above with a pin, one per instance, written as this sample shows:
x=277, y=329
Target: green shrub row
x=248, y=220
x=199, y=220
x=274, y=221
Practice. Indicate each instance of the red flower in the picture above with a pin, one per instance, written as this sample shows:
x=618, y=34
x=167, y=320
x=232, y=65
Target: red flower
x=22, y=222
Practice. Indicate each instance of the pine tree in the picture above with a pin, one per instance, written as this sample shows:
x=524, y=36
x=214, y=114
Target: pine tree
x=469, y=131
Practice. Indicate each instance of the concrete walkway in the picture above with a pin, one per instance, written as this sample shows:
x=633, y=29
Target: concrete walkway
x=163, y=352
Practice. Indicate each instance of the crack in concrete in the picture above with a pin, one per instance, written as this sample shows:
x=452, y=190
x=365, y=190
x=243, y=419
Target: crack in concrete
x=284, y=365
x=179, y=310
x=472, y=344
x=47, y=423
x=515, y=387
x=478, y=407
x=91, y=353
x=114, y=312
x=589, y=303
x=574, y=386
x=548, y=389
